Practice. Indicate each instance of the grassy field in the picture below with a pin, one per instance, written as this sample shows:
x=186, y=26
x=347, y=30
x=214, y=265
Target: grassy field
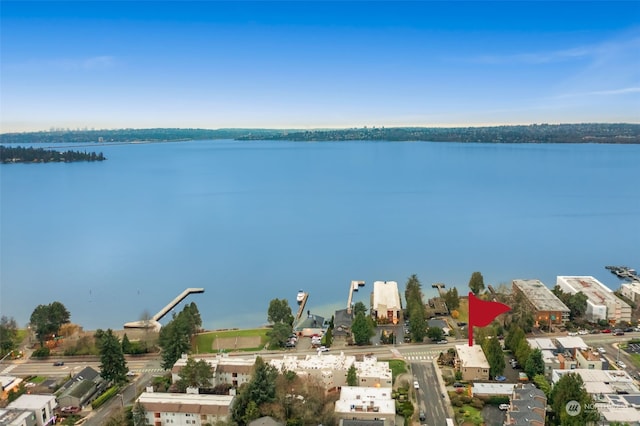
x=397, y=367
x=463, y=309
x=206, y=342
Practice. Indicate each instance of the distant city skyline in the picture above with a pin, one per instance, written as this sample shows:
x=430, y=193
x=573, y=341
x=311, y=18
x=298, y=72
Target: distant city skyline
x=312, y=65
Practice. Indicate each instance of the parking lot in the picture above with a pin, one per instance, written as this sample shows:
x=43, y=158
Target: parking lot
x=633, y=348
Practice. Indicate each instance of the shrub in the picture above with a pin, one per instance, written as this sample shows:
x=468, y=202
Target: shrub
x=477, y=403
x=41, y=353
x=458, y=375
x=108, y=394
x=466, y=399
x=497, y=400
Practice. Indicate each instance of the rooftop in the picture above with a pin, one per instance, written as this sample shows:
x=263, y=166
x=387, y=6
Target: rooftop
x=186, y=403
x=32, y=402
x=385, y=293
x=570, y=342
x=603, y=381
x=471, y=356
x=540, y=296
x=542, y=343
x=365, y=399
x=17, y=417
x=596, y=292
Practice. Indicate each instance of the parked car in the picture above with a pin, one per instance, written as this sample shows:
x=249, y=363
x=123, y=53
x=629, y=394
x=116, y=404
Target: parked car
x=606, y=330
x=58, y=363
x=416, y=384
x=619, y=333
x=501, y=378
x=70, y=410
x=443, y=341
x=601, y=350
x=323, y=349
x=422, y=416
x=503, y=407
x=572, y=333
x=583, y=332
x=621, y=364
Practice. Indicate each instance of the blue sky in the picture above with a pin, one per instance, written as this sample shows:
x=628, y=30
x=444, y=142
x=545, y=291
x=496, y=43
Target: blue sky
x=316, y=64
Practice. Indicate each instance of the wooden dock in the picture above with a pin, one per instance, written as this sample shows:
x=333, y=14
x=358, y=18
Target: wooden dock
x=301, y=308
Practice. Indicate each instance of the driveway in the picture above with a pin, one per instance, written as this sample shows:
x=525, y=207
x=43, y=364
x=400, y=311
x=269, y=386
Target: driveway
x=493, y=416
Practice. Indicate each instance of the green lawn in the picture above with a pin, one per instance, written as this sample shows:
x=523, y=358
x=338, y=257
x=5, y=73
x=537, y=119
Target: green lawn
x=205, y=342
x=398, y=367
x=38, y=379
x=470, y=415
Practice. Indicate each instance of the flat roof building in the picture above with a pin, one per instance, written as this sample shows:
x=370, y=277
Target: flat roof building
x=17, y=417
x=602, y=304
x=385, y=301
x=472, y=362
x=41, y=405
x=226, y=370
x=366, y=403
x=331, y=370
x=597, y=382
x=631, y=291
x=545, y=305
x=182, y=409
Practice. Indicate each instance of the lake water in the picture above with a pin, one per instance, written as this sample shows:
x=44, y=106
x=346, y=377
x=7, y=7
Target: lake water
x=253, y=221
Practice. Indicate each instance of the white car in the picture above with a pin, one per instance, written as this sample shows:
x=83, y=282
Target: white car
x=572, y=333
x=416, y=384
x=323, y=349
x=583, y=332
x=621, y=364
x=503, y=406
x=601, y=350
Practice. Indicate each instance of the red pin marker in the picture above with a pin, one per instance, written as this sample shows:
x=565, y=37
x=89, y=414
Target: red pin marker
x=481, y=313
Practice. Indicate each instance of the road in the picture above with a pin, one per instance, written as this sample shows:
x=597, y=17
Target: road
x=420, y=356
x=430, y=394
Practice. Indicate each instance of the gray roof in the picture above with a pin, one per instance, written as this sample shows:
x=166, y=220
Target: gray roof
x=356, y=422
x=311, y=321
x=265, y=421
x=540, y=296
x=528, y=404
x=342, y=317
x=437, y=323
x=525, y=417
x=87, y=373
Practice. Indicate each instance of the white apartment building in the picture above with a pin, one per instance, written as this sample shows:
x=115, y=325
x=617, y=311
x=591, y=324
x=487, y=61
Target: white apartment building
x=41, y=405
x=331, y=370
x=366, y=403
x=631, y=291
x=185, y=409
x=385, y=301
x=602, y=304
x=231, y=370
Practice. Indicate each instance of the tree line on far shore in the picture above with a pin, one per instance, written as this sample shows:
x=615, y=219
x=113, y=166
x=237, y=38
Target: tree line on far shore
x=21, y=154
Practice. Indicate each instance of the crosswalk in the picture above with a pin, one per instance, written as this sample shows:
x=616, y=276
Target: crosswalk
x=421, y=355
x=7, y=370
x=148, y=370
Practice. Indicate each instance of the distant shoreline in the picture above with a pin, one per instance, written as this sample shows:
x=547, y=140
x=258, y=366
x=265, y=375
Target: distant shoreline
x=602, y=133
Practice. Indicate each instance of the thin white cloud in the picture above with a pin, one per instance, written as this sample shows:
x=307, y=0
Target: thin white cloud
x=611, y=92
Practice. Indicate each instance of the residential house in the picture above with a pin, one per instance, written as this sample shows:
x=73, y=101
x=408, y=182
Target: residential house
x=185, y=409
x=366, y=404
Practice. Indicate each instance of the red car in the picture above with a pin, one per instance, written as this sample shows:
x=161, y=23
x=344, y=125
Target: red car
x=606, y=330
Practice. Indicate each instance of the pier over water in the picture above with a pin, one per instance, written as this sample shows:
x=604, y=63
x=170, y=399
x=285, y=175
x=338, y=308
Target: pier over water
x=153, y=321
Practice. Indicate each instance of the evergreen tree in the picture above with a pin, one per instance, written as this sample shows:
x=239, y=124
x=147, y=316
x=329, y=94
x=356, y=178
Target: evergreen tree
x=476, y=283
x=362, y=330
x=197, y=374
x=352, y=378
x=534, y=365
x=126, y=344
x=570, y=387
x=279, y=334
x=174, y=341
x=435, y=333
x=359, y=307
x=452, y=299
x=113, y=366
x=139, y=415
x=495, y=357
